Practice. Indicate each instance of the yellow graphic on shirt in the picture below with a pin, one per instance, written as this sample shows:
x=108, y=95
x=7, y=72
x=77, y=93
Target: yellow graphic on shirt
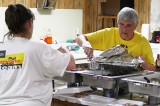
x=13, y=61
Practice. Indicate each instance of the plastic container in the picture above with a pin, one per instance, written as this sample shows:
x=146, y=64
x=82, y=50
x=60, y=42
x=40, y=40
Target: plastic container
x=48, y=38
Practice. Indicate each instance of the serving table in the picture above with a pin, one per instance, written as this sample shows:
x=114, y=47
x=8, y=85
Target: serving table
x=94, y=79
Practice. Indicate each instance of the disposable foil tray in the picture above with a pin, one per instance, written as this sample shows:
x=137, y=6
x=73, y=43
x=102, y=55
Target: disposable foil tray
x=118, y=59
x=115, y=70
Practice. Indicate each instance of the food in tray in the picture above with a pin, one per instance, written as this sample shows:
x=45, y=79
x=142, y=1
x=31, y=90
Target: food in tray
x=82, y=94
x=79, y=69
x=128, y=104
x=81, y=66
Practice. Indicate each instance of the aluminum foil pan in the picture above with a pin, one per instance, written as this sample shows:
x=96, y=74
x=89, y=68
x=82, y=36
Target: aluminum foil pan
x=118, y=59
x=114, y=51
x=124, y=60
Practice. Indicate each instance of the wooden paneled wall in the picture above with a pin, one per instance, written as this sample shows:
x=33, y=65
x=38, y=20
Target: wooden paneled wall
x=28, y=3
x=61, y=4
x=89, y=15
x=69, y=4
x=91, y=9
x=143, y=8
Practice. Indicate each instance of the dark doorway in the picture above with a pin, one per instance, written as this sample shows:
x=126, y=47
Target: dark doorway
x=126, y=3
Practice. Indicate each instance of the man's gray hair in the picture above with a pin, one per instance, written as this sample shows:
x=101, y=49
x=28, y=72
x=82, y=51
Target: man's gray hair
x=127, y=13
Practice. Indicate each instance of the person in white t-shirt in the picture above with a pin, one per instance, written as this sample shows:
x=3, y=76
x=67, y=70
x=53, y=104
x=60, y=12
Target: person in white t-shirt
x=27, y=67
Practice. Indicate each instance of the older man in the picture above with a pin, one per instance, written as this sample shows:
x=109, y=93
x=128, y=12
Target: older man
x=104, y=39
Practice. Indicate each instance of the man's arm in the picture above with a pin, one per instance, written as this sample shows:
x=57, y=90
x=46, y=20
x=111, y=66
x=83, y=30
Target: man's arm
x=83, y=42
x=147, y=66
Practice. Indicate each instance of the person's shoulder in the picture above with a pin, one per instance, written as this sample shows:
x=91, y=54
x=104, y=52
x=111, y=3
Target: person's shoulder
x=112, y=29
x=37, y=44
x=140, y=37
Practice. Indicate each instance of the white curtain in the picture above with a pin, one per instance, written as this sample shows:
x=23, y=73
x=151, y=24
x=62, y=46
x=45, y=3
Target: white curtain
x=155, y=15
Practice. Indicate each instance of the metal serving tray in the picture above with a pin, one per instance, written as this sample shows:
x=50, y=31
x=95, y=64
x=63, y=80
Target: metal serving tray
x=74, y=76
x=98, y=78
x=91, y=99
x=138, y=84
x=70, y=77
x=66, y=94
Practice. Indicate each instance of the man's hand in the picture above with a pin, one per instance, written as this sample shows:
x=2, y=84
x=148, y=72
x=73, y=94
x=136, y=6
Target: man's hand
x=147, y=66
x=81, y=41
x=88, y=50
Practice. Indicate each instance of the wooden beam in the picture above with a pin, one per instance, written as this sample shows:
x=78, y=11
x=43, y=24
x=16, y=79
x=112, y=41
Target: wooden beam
x=143, y=8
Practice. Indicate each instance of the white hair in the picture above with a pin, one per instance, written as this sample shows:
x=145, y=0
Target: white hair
x=127, y=13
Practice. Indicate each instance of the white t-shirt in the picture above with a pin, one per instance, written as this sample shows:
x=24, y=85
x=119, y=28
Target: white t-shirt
x=26, y=72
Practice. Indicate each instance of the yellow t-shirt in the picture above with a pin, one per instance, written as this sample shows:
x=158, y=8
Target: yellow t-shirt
x=109, y=37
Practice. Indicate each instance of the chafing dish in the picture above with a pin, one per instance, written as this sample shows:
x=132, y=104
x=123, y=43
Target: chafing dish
x=105, y=73
x=74, y=76
x=110, y=66
x=70, y=77
x=141, y=85
x=112, y=62
x=108, y=79
x=101, y=78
